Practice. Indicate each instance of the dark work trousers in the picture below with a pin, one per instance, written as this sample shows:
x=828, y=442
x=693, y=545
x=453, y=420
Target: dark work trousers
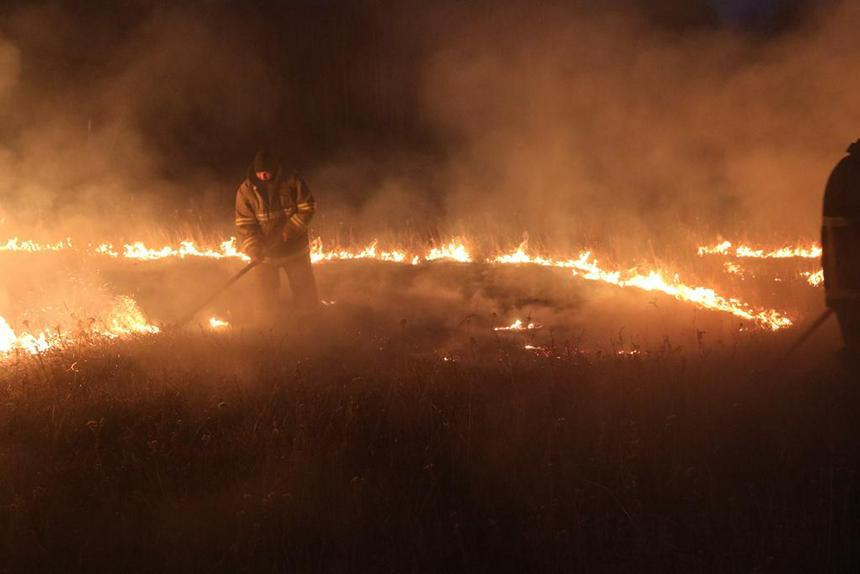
x=300, y=275
x=848, y=313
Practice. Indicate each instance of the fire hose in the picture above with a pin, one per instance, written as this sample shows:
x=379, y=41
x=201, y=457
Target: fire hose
x=218, y=292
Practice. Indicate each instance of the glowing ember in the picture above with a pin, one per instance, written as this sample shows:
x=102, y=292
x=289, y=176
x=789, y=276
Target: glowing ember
x=815, y=279
x=217, y=323
x=518, y=325
x=811, y=251
x=733, y=268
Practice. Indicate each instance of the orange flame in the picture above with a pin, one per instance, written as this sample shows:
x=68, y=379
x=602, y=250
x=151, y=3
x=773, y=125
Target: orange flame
x=455, y=250
x=452, y=251
x=519, y=326
x=123, y=320
x=218, y=324
x=810, y=251
x=15, y=244
x=815, y=279
x=653, y=280
x=227, y=250
x=318, y=254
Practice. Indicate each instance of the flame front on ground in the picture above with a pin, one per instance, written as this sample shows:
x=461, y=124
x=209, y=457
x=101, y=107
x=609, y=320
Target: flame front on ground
x=124, y=319
x=16, y=244
x=10, y=341
x=452, y=251
x=318, y=254
x=811, y=251
x=518, y=325
x=455, y=250
x=653, y=280
x=227, y=250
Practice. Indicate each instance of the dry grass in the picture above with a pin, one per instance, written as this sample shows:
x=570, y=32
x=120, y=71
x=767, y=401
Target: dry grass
x=349, y=442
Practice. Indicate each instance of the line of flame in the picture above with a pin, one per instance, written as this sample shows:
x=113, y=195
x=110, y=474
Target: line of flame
x=518, y=325
x=813, y=278
x=15, y=244
x=454, y=250
x=588, y=268
x=584, y=265
x=811, y=251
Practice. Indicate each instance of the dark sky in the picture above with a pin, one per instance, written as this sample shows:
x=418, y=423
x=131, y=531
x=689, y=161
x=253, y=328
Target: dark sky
x=743, y=10
x=760, y=14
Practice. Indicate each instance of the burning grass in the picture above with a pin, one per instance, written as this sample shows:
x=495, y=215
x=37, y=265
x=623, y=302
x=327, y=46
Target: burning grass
x=727, y=248
x=584, y=265
x=122, y=319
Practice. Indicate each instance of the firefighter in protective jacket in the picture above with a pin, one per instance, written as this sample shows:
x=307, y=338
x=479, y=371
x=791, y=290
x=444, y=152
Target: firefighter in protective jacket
x=273, y=210
x=840, y=241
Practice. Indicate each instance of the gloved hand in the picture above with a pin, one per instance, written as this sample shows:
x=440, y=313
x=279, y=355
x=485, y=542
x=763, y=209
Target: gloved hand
x=257, y=252
x=290, y=232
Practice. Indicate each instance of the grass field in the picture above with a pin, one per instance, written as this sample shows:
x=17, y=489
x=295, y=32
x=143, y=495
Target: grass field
x=397, y=431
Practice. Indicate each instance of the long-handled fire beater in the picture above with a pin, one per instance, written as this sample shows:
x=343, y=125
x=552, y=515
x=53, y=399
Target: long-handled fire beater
x=215, y=294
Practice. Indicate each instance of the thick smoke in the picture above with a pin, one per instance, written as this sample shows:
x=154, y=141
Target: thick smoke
x=566, y=121
x=578, y=123
x=107, y=124
x=605, y=126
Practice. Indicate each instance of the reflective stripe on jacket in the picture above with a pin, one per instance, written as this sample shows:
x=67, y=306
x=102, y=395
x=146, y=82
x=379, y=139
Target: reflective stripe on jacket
x=265, y=209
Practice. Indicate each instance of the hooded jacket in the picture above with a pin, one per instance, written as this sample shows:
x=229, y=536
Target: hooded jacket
x=840, y=229
x=272, y=217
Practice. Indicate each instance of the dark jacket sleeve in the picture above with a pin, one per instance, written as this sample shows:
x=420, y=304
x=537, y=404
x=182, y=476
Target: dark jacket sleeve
x=305, y=204
x=247, y=226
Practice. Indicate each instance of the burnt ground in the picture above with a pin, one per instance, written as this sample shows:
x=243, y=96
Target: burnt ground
x=396, y=431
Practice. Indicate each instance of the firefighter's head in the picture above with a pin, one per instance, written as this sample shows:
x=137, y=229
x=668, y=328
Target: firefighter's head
x=265, y=165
